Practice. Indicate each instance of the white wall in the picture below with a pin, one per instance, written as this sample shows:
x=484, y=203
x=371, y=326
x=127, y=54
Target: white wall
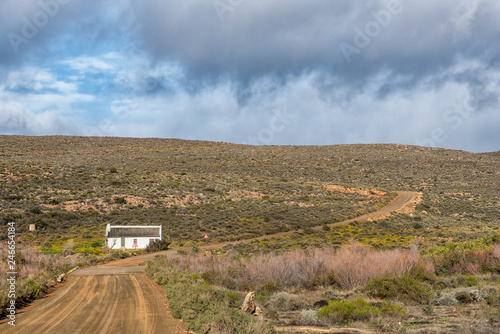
x=115, y=243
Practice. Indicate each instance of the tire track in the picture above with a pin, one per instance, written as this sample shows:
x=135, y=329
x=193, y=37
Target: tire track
x=67, y=312
x=29, y=321
x=98, y=305
x=58, y=317
x=33, y=321
x=142, y=304
x=109, y=304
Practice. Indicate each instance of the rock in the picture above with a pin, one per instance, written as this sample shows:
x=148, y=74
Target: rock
x=72, y=270
x=249, y=304
x=63, y=276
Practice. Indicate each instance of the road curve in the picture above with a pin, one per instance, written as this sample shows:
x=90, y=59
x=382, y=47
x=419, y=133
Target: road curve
x=118, y=297
x=403, y=200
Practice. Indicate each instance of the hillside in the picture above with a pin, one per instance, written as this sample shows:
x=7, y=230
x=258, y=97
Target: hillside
x=70, y=187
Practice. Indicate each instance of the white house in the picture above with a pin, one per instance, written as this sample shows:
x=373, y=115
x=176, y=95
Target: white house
x=131, y=237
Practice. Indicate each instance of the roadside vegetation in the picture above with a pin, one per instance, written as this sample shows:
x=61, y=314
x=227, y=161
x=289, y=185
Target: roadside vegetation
x=204, y=308
x=391, y=290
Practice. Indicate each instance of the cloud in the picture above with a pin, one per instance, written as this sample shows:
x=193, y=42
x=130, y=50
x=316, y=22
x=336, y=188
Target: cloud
x=295, y=115
x=14, y=119
x=347, y=71
x=292, y=37
x=36, y=80
x=88, y=64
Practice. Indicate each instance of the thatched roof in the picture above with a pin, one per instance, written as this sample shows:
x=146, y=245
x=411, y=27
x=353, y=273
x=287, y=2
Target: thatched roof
x=134, y=231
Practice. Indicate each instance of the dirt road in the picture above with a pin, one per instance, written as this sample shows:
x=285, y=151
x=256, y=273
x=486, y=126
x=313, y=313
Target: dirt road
x=97, y=302
x=118, y=297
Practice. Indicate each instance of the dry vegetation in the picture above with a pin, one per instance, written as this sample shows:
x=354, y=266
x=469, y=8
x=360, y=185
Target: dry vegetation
x=70, y=187
x=397, y=290
x=300, y=268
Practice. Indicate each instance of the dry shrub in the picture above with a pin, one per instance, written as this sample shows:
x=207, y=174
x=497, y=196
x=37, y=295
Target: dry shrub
x=428, y=267
x=284, y=301
x=355, y=265
x=496, y=251
x=350, y=267
x=463, y=261
x=35, y=262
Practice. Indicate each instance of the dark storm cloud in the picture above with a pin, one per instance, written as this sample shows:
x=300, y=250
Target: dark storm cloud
x=290, y=37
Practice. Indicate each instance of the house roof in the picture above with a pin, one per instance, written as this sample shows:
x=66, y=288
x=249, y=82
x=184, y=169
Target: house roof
x=134, y=231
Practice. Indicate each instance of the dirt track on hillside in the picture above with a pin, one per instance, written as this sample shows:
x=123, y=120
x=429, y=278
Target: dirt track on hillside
x=117, y=297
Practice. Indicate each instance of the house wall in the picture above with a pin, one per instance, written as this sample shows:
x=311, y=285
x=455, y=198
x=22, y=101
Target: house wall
x=115, y=243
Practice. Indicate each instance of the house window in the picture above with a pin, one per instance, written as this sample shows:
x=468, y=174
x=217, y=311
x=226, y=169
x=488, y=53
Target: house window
x=151, y=240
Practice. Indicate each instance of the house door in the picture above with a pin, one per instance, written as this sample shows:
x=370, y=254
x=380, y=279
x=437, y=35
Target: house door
x=123, y=242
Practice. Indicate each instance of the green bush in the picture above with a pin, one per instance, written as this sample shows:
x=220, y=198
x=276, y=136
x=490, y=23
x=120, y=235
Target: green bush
x=420, y=273
x=404, y=288
x=203, y=307
x=392, y=310
x=234, y=299
x=32, y=289
x=348, y=311
x=471, y=280
x=120, y=200
x=120, y=254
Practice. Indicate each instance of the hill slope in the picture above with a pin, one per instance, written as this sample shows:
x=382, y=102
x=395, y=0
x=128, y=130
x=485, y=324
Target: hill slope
x=70, y=187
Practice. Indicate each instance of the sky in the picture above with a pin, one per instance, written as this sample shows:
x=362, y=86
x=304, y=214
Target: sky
x=259, y=72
